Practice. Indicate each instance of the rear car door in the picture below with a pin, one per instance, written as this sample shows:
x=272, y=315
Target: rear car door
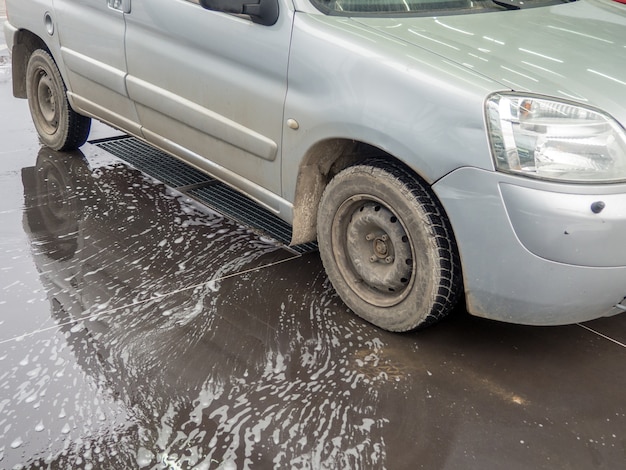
x=210, y=88
x=91, y=34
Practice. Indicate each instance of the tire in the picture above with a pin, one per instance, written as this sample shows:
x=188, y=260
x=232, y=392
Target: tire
x=387, y=246
x=58, y=125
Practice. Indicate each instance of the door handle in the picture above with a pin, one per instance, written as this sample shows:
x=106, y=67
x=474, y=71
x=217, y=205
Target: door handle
x=119, y=5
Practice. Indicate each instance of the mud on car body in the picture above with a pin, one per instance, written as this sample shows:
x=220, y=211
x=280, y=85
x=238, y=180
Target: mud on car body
x=436, y=149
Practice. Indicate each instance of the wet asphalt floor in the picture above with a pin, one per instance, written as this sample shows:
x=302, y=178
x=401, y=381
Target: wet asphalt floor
x=141, y=329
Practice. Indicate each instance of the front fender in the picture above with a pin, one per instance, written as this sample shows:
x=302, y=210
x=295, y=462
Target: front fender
x=350, y=82
x=25, y=32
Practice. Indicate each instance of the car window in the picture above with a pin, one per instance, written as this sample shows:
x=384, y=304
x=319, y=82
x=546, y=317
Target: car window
x=418, y=7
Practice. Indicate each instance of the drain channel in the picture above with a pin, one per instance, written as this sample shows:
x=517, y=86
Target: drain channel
x=153, y=162
x=201, y=187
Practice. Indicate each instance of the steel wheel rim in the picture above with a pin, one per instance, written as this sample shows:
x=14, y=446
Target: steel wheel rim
x=47, y=105
x=373, y=251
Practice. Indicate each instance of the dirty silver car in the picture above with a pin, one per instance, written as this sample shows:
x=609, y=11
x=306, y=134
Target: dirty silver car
x=436, y=149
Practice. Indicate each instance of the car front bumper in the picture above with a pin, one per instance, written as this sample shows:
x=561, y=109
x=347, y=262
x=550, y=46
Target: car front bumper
x=534, y=252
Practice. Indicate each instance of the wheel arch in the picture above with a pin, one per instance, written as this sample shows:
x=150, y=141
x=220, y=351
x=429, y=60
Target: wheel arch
x=25, y=44
x=320, y=164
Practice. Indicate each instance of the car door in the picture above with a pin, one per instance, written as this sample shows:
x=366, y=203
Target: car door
x=91, y=34
x=210, y=88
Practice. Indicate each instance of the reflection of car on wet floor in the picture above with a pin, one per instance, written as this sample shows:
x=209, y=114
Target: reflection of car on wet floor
x=119, y=231
x=433, y=149
x=246, y=367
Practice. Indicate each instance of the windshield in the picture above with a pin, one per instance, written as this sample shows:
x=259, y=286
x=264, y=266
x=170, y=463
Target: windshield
x=423, y=7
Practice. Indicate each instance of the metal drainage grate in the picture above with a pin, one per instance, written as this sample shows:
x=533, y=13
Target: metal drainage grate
x=202, y=187
x=153, y=162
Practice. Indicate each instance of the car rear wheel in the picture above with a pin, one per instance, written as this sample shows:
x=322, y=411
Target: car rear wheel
x=58, y=125
x=388, y=247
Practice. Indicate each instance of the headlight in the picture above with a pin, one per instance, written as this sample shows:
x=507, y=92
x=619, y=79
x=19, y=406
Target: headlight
x=552, y=139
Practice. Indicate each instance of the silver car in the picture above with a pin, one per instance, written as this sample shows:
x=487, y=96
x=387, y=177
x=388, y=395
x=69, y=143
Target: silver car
x=435, y=148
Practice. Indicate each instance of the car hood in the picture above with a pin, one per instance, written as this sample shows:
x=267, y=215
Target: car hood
x=575, y=51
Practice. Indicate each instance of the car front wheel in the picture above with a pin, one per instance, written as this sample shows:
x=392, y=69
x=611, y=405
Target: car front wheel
x=58, y=125
x=388, y=247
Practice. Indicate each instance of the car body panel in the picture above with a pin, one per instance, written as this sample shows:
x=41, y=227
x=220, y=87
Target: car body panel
x=30, y=16
x=573, y=51
x=505, y=281
x=402, y=106
x=10, y=32
x=91, y=35
x=223, y=99
x=564, y=228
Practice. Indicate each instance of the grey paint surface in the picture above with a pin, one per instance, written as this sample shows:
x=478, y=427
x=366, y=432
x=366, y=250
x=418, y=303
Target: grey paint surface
x=571, y=51
x=227, y=103
x=412, y=87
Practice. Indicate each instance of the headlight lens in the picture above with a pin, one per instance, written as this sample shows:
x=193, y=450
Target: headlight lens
x=556, y=140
